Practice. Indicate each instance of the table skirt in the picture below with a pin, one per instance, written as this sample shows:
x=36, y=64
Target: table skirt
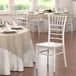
x=10, y=62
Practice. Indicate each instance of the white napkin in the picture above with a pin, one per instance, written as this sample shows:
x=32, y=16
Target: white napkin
x=7, y=27
x=14, y=23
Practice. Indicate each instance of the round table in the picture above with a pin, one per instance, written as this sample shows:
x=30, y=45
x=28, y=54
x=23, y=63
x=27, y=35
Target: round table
x=14, y=49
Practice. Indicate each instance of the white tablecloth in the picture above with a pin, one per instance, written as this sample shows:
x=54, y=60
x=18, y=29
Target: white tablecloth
x=16, y=51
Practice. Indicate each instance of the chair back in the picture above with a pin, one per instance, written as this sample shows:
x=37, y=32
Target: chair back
x=33, y=17
x=61, y=10
x=56, y=27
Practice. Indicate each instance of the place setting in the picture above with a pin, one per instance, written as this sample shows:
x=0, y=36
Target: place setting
x=16, y=27
x=7, y=29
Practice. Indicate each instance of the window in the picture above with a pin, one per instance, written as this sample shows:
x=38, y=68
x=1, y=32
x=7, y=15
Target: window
x=4, y=4
x=22, y=4
x=11, y=5
x=46, y=4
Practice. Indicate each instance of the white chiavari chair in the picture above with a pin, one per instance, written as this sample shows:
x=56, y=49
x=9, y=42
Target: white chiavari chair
x=56, y=34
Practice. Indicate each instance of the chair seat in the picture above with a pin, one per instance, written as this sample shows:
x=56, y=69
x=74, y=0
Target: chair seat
x=50, y=44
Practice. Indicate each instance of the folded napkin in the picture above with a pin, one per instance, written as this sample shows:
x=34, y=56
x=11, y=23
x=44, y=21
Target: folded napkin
x=14, y=23
x=16, y=26
x=7, y=27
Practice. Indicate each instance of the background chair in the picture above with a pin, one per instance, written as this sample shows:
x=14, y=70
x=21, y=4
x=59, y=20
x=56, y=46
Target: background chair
x=33, y=22
x=36, y=21
x=56, y=32
x=61, y=10
x=21, y=20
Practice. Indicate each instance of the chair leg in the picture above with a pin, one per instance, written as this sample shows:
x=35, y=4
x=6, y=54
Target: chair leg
x=37, y=57
x=71, y=21
x=48, y=61
x=54, y=58
x=65, y=62
x=38, y=31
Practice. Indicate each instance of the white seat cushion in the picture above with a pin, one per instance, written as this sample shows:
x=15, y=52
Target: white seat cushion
x=50, y=44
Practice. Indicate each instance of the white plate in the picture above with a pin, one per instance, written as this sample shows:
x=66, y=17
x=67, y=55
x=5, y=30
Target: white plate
x=9, y=31
x=16, y=27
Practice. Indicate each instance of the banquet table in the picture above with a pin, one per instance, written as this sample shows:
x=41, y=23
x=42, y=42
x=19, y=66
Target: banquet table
x=16, y=51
